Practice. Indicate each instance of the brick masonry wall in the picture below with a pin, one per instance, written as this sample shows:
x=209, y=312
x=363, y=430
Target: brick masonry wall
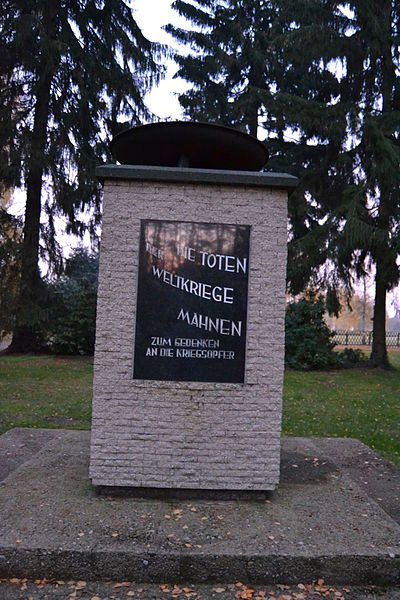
x=180, y=434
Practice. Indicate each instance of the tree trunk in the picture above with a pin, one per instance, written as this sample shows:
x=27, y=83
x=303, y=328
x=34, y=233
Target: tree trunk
x=29, y=307
x=379, y=357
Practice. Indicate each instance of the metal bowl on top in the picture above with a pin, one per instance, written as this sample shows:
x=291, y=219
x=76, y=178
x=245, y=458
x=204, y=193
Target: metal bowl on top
x=187, y=144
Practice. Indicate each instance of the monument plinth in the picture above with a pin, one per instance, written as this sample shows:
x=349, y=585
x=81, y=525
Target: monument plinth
x=190, y=319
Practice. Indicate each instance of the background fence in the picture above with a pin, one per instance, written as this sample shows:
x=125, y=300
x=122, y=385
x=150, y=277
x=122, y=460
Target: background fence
x=363, y=338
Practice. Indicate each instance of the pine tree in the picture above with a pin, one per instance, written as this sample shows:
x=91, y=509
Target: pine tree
x=68, y=71
x=345, y=111
x=329, y=93
x=232, y=64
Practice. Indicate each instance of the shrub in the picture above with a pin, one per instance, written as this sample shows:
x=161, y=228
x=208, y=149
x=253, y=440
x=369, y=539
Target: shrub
x=350, y=357
x=308, y=341
x=71, y=328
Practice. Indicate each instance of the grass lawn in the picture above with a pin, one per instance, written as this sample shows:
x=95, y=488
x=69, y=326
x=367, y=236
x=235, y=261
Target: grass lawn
x=358, y=403
x=45, y=391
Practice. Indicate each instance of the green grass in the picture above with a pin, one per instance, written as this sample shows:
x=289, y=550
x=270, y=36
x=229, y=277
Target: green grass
x=47, y=391
x=358, y=403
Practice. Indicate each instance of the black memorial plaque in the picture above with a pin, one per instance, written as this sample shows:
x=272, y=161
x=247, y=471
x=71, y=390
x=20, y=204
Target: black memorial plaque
x=192, y=301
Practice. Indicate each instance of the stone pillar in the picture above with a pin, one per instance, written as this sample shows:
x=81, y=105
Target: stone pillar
x=148, y=431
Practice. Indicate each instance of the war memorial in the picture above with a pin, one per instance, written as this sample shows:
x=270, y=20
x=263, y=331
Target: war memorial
x=184, y=477
x=190, y=324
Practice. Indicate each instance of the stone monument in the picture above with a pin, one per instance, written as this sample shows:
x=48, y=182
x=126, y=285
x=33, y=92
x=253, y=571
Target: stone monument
x=190, y=319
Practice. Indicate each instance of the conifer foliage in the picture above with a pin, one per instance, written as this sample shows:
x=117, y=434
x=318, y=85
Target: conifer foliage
x=327, y=90
x=345, y=111
x=68, y=70
x=231, y=63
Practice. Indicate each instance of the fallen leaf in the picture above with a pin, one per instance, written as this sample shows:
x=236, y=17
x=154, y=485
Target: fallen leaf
x=320, y=582
x=188, y=545
x=115, y=534
x=122, y=584
x=167, y=516
x=80, y=585
x=95, y=598
x=219, y=590
x=271, y=537
x=130, y=593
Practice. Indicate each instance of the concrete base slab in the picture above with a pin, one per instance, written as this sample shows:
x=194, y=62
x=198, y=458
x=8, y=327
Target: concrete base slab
x=324, y=520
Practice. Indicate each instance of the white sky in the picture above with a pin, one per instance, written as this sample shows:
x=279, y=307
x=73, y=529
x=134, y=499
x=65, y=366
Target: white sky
x=151, y=15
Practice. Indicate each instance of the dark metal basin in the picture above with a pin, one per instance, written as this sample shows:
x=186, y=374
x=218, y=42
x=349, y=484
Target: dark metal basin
x=186, y=144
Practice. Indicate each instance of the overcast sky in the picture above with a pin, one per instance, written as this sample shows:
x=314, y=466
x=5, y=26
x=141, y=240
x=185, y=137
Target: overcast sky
x=151, y=15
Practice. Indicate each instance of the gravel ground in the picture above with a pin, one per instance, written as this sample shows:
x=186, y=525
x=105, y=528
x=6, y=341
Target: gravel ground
x=22, y=589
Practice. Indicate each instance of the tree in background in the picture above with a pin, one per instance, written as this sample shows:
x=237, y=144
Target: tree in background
x=328, y=89
x=356, y=314
x=345, y=112
x=68, y=71
x=232, y=65
x=10, y=261
x=71, y=325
